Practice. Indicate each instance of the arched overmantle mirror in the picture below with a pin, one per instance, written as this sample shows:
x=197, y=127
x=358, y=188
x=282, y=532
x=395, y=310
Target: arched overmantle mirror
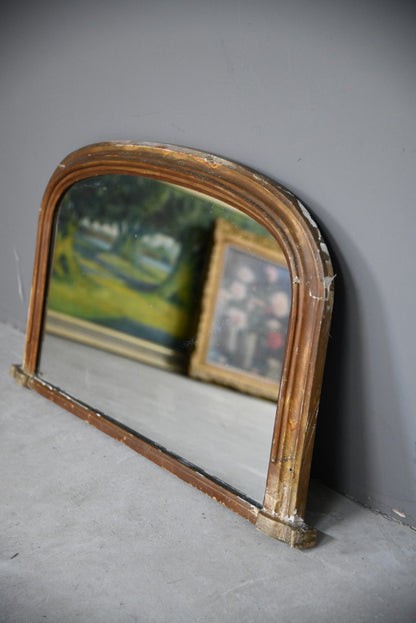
x=181, y=303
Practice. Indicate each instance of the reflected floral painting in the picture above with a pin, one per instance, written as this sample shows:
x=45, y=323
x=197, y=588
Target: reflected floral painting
x=245, y=313
x=251, y=316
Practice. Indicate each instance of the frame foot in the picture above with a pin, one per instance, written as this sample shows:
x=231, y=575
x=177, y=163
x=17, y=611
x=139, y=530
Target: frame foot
x=296, y=535
x=19, y=376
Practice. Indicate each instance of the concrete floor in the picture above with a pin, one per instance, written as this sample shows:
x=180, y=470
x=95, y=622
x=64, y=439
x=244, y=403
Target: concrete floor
x=92, y=532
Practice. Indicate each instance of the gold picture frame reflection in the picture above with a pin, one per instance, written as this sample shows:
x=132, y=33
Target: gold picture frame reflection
x=122, y=344
x=245, y=313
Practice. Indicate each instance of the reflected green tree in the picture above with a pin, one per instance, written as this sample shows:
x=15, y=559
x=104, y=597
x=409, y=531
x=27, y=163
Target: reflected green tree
x=130, y=251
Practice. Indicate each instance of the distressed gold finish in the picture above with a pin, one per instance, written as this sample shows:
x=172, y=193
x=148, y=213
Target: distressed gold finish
x=19, y=376
x=286, y=219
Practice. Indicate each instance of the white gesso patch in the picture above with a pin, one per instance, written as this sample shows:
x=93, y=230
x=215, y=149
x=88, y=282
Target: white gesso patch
x=306, y=214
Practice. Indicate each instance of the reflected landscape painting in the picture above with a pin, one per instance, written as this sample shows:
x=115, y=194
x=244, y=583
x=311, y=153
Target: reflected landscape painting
x=129, y=254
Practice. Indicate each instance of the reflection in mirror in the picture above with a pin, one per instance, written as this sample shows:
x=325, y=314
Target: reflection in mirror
x=167, y=312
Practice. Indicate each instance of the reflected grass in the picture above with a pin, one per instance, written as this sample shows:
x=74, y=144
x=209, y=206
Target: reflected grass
x=97, y=295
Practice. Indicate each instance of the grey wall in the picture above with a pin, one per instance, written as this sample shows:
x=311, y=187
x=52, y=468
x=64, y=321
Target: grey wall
x=318, y=95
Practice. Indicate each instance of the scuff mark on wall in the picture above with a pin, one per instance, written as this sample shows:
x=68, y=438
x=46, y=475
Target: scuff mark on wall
x=19, y=276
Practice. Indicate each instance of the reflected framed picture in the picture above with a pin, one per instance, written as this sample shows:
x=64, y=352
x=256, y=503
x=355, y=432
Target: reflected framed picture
x=245, y=312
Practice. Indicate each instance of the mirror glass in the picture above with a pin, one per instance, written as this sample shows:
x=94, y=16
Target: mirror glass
x=167, y=312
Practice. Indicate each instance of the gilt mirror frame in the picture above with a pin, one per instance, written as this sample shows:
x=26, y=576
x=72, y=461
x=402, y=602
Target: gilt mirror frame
x=286, y=219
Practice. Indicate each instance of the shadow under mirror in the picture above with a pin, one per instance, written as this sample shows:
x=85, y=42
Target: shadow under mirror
x=167, y=312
